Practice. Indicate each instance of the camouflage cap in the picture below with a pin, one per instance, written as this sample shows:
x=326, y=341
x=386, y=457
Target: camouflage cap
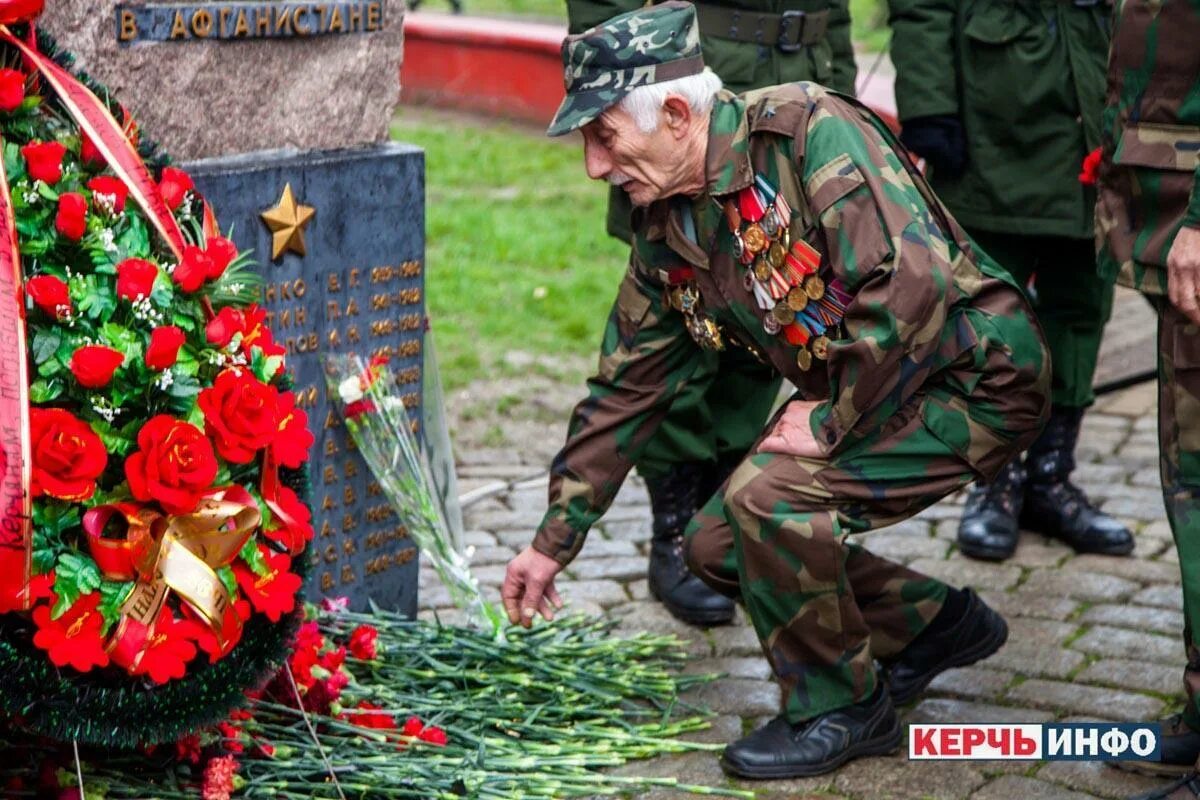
x=638, y=48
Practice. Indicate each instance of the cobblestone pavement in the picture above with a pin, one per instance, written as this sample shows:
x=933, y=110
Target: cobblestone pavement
x=1091, y=637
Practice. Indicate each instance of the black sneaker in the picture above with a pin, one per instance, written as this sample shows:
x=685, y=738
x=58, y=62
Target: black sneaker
x=977, y=634
x=782, y=749
x=1180, y=751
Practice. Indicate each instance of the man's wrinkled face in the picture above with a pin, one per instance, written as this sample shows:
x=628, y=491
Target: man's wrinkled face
x=645, y=165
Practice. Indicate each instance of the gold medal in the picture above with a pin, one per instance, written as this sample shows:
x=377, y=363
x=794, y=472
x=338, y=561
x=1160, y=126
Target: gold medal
x=796, y=299
x=754, y=238
x=762, y=270
x=803, y=359
x=814, y=287
x=677, y=298
x=820, y=347
x=776, y=254
x=783, y=315
x=713, y=334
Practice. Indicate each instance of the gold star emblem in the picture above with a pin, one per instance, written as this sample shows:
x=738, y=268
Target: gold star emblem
x=286, y=220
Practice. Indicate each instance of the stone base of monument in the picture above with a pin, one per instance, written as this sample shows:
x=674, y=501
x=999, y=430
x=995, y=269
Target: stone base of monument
x=339, y=241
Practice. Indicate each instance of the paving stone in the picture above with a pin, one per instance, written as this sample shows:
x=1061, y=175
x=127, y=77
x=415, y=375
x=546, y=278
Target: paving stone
x=959, y=571
x=942, y=710
x=1163, y=595
x=1019, y=787
x=639, y=589
x=1147, y=506
x=651, y=617
x=972, y=682
x=818, y=788
x=903, y=547
x=1072, y=697
x=1147, y=476
x=1159, y=529
x=1097, y=778
x=1025, y=604
x=490, y=575
x=604, y=593
x=741, y=696
x=503, y=469
x=1035, y=550
x=1136, y=401
x=434, y=596
x=1169, y=554
x=736, y=640
x=732, y=666
x=1078, y=585
x=1143, y=618
x=1110, y=473
x=599, y=547
x=1148, y=548
x=483, y=556
x=528, y=499
x=492, y=520
x=1119, y=643
x=1128, y=568
x=628, y=530
x=700, y=769
x=1034, y=647
x=721, y=730
x=479, y=538
x=620, y=568
x=1137, y=674
x=899, y=777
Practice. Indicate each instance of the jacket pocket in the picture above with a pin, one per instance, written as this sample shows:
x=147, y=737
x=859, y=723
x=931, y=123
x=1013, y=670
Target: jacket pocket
x=1159, y=146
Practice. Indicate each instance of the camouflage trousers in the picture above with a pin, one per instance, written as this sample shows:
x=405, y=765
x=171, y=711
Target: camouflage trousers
x=1179, y=463
x=824, y=608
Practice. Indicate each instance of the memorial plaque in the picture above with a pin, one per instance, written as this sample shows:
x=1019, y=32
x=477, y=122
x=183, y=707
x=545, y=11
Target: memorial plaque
x=343, y=267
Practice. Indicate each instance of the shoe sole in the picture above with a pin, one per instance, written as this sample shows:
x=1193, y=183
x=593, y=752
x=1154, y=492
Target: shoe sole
x=963, y=658
x=882, y=745
x=702, y=618
x=1033, y=527
x=985, y=553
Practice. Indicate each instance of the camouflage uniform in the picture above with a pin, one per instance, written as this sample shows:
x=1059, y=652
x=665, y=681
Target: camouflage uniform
x=1149, y=189
x=936, y=375
x=715, y=420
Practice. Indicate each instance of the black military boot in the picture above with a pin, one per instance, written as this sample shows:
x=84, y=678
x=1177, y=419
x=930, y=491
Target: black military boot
x=1056, y=507
x=1180, y=750
x=674, y=500
x=988, y=529
x=783, y=749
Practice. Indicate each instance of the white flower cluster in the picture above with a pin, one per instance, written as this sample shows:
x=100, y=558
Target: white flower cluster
x=108, y=240
x=144, y=310
x=106, y=202
x=165, y=380
x=105, y=408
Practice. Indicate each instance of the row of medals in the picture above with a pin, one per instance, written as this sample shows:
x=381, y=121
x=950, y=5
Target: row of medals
x=781, y=274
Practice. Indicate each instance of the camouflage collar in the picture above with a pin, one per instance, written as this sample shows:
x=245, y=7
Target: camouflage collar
x=727, y=163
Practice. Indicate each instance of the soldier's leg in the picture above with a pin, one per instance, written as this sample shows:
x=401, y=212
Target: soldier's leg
x=1073, y=304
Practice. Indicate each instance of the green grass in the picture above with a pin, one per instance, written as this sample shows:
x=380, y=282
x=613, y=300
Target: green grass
x=516, y=253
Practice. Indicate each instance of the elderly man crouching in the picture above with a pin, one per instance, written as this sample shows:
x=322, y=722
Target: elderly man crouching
x=788, y=222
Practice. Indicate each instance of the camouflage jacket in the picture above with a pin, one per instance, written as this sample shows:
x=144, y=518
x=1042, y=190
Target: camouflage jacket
x=1027, y=81
x=1150, y=175
x=743, y=65
x=925, y=318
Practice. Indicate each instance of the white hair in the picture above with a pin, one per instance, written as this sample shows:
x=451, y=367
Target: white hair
x=644, y=102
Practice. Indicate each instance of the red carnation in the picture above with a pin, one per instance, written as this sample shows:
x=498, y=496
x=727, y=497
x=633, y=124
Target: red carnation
x=71, y=219
x=174, y=185
x=169, y=650
x=293, y=533
x=293, y=440
x=375, y=717
x=273, y=594
x=44, y=160
x=333, y=660
x=363, y=643
x=74, y=638
x=135, y=278
x=12, y=89
x=1090, y=171
x=193, y=269
x=50, y=294
x=218, y=778
x=113, y=188
x=165, y=342
x=255, y=332
x=93, y=365
x=188, y=748
x=174, y=464
x=241, y=414
x=221, y=253
x=68, y=456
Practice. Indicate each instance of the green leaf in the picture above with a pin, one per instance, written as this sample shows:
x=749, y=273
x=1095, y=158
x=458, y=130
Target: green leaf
x=45, y=344
x=46, y=191
x=44, y=391
x=254, y=559
x=112, y=597
x=229, y=580
x=117, y=441
x=75, y=576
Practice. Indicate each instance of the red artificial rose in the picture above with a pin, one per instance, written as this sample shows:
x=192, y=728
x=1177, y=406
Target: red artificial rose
x=1090, y=171
x=74, y=638
x=174, y=185
x=68, y=456
x=135, y=278
x=273, y=594
x=93, y=365
x=241, y=414
x=193, y=269
x=375, y=717
x=71, y=219
x=165, y=341
x=50, y=294
x=112, y=188
x=174, y=464
x=293, y=440
x=44, y=160
x=221, y=329
x=221, y=253
x=363, y=643
x=169, y=650
x=12, y=89
x=88, y=152
x=294, y=532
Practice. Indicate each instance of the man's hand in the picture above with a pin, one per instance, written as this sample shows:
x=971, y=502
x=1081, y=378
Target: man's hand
x=792, y=435
x=529, y=587
x=1183, y=273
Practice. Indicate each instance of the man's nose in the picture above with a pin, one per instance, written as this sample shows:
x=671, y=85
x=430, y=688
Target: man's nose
x=596, y=159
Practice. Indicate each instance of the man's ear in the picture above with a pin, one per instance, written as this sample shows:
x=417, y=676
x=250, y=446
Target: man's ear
x=678, y=115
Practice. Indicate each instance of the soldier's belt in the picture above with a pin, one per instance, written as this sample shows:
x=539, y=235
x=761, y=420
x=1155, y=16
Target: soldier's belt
x=790, y=31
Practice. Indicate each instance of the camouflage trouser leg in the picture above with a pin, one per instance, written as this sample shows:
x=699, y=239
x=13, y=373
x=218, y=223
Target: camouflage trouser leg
x=1179, y=462
x=818, y=603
